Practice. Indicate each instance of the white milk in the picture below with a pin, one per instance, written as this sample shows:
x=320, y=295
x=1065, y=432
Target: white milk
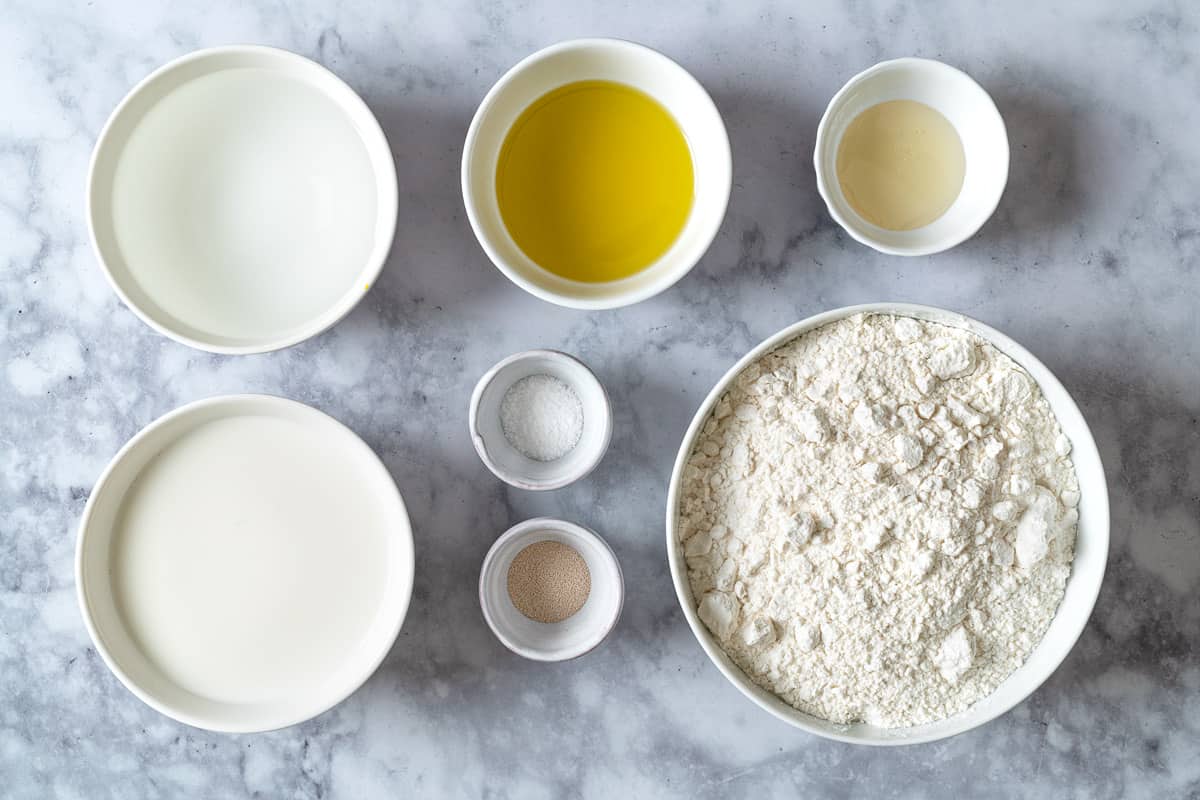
x=250, y=559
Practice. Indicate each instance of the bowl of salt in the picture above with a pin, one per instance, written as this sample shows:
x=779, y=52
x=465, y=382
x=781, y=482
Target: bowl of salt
x=540, y=420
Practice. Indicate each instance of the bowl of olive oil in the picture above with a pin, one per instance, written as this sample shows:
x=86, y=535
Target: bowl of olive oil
x=596, y=173
x=911, y=157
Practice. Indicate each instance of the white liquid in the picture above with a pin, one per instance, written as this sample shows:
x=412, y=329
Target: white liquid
x=251, y=559
x=244, y=203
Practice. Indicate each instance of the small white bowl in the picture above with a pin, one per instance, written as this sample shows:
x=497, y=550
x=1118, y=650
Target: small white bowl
x=611, y=60
x=968, y=108
x=579, y=633
x=244, y=563
x=1087, y=571
x=511, y=465
x=241, y=199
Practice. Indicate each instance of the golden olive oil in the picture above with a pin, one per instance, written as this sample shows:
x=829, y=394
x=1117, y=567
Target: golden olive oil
x=901, y=164
x=595, y=181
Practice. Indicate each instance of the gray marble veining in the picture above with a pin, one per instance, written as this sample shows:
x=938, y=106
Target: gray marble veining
x=1090, y=261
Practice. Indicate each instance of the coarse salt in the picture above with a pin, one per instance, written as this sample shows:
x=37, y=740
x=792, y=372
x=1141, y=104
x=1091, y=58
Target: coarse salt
x=541, y=417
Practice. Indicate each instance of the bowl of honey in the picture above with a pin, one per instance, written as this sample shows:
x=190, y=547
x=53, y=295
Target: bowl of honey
x=911, y=157
x=596, y=173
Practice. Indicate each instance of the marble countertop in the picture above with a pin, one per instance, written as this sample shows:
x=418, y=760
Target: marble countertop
x=1090, y=261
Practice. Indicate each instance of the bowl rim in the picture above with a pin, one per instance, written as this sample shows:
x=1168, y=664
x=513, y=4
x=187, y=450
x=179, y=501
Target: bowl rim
x=571, y=529
x=678, y=567
x=853, y=226
x=667, y=279
x=387, y=192
x=512, y=479
x=368, y=667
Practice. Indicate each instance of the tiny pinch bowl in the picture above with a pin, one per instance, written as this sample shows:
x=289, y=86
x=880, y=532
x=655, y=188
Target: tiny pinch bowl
x=575, y=635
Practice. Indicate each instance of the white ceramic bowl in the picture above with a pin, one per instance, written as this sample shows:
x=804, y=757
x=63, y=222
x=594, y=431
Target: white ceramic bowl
x=244, y=563
x=969, y=109
x=507, y=462
x=1091, y=549
x=577, y=634
x=241, y=199
x=622, y=62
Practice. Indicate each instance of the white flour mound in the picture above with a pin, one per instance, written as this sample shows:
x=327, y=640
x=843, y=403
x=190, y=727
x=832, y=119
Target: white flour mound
x=879, y=520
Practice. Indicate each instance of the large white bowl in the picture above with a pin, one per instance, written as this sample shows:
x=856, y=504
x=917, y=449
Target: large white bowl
x=611, y=60
x=244, y=563
x=1091, y=549
x=241, y=199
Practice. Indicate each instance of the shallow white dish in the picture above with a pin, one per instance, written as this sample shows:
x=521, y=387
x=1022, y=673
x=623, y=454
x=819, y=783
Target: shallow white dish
x=511, y=465
x=241, y=199
x=577, y=634
x=1091, y=549
x=244, y=563
x=611, y=60
x=969, y=109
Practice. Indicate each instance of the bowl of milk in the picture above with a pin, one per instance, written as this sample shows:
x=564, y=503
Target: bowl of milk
x=244, y=563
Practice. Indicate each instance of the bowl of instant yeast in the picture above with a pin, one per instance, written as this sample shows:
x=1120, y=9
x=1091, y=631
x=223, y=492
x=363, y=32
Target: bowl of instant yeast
x=596, y=173
x=551, y=590
x=911, y=157
x=241, y=199
x=244, y=563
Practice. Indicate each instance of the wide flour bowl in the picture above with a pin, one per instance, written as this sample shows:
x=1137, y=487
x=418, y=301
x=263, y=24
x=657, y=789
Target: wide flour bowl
x=1091, y=548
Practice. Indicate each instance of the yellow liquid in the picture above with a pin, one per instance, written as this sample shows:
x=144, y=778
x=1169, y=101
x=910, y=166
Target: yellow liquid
x=901, y=165
x=595, y=181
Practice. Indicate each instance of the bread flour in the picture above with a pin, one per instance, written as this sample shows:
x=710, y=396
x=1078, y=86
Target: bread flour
x=879, y=520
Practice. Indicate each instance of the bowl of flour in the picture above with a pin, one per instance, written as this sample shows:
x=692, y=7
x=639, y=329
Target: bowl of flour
x=887, y=524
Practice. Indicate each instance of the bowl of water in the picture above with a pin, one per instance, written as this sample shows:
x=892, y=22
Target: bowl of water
x=241, y=199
